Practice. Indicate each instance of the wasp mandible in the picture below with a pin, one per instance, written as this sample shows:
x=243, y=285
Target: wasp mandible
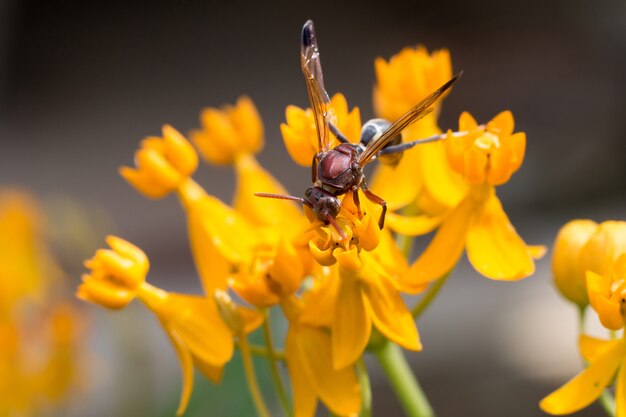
x=338, y=170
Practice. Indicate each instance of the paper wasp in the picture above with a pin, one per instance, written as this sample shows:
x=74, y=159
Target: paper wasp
x=338, y=170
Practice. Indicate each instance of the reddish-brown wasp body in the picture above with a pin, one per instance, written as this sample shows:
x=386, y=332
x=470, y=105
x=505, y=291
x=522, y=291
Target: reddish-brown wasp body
x=339, y=170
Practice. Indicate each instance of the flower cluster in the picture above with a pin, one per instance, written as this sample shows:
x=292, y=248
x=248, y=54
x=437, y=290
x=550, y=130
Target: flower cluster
x=589, y=267
x=39, y=332
x=340, y=285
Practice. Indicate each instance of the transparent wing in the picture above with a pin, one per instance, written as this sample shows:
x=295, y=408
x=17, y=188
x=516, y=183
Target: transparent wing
x=418, y=111
x=312, y=70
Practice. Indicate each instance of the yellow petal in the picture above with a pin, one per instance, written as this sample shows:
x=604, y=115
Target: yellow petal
x=200, y=327
x=444, y=250
x=389, y=313
x=442, y=183
x=475, y=165
x=319, y=307
x=186, y=366
x=352, y=325
x=398, y=185
x=270, y=212
x=591, y=347
x=467, y=123
x=212, y=264
x=609, y=312
x=587, y=386
x=287, y=269
x=103, y=293
x=304, y=394
x=412, y=225
x=337, y=388
x=502, y=124
x=494, y=248
x=213, y=373
x=231, y=234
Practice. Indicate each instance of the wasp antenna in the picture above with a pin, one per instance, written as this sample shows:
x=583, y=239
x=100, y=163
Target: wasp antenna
x=334, y=223
x=283, y=197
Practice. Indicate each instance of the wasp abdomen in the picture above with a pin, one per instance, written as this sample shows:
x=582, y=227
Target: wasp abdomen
x=372, y=130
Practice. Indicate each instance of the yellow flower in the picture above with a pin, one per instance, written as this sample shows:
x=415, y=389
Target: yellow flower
x=478, y=222
x=162, y=164
x=194, y=324
x=229, y=133
x=607, y=295
x=27, y=267
x=488, y=154
x=422, y=178
x=368, y=292
x=300, y=134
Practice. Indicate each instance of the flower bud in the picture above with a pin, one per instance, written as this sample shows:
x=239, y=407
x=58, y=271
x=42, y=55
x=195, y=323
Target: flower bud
x=115, y=274
x=566, y=269
x=162, y=164
x=229, y=133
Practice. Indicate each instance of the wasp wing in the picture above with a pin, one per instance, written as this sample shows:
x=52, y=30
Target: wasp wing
x=418, y=111
x=318, y=97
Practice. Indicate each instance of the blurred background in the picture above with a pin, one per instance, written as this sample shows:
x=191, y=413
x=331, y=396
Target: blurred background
x=82, y=82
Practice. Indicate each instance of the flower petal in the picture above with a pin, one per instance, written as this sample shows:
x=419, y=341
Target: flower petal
x=494, y=248
x=338, y=388
x=587, y=386
x=271, y=212
x=444, y=250
x=592, y=347
x=186, y=366
x=304, y=395
x=197, y=322
x=389, y=313
x=352, y=325
x=412, y=225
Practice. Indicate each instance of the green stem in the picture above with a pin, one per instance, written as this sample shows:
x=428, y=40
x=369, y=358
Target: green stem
x=253, y=385
x=608, y=403
x=262, y=351
x=366, y=389
x=403, y=381
x=428, y=298
x=272, y=360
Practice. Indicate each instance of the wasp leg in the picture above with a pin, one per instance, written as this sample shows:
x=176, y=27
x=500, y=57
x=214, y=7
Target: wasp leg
x=376, y=199
x=338, y=134
x=330, y=219
x=408, y=145
x=357, y=202
x=316, y=160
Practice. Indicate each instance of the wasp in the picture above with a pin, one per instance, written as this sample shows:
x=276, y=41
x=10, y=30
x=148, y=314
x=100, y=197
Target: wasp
x=339, y=170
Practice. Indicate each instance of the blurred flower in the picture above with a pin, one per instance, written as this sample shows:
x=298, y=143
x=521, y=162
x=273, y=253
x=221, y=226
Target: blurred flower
x=194, y=324
x=422, y=179
x=607, y=295
x=229, y=133
x=40, y=344
x=162, y=164
x=478, y=222
x=300, y=134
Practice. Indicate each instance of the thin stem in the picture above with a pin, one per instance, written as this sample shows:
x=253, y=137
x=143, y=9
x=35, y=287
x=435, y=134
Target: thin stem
x=262, y=351
x=581, y=319
x=403, y=381
x=253, y=385
x=366, y=389
x=272, y=360
x=607, y=402
x=428, y=298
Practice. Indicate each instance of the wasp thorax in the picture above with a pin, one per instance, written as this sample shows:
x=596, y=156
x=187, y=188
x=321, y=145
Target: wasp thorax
x=322, y=202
